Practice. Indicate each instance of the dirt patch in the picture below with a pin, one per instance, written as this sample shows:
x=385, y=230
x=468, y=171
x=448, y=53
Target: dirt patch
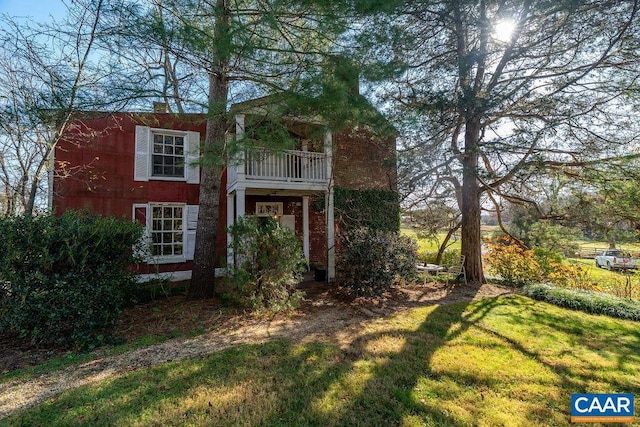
x=324, y=315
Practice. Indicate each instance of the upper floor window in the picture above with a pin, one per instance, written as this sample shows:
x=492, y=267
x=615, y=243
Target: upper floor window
x=165, y=154
x=168, y=156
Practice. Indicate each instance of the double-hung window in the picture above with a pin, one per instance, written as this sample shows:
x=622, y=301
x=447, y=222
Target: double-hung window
x=168, y=158
x=166, y=154
x=170, y=231
x=167, y=231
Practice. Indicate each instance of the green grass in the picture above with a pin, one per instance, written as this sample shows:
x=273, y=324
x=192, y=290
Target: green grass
x=498, y=361
x=427, y=245
x=594, y=272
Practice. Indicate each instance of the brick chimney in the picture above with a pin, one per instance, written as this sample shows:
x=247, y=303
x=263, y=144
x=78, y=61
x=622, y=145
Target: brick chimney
x=159, y=107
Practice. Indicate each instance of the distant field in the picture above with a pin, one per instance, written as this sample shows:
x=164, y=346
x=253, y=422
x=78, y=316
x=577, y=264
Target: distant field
x=431, y=245
x=428, y=245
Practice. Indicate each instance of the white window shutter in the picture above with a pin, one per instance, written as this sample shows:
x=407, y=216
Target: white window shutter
x=192, y=224
x=142, y=158
x=192, y=216
x=141, y=214
x=193, y=157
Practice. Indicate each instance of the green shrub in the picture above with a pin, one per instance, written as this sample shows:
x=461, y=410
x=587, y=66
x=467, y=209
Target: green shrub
x=512, y=263
x=587, y=301
x=371, y=262
x=268, y=264
x=64, y=277
x=520, y=266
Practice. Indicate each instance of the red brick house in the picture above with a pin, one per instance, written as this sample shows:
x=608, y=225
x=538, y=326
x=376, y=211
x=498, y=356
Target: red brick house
x=143, y=166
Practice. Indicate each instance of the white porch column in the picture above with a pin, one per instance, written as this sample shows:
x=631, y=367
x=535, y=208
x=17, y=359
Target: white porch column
x=239, y=125
x=239, y=158
x=330, y=217
x=240, y=202
x=230, y=220
x=305, y=228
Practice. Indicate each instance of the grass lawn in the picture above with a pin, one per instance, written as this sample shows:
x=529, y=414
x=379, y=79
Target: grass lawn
x=427, y=245
x=498, y=361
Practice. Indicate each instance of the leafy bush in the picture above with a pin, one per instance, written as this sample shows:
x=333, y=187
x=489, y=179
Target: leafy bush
x=520, y=266
x=371, y=262
x=589, y=302
x=64, y=277
x=268, y=264
x=513, y=263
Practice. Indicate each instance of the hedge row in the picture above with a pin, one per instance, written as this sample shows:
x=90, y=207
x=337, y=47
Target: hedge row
x=63, y=279
x=589, y=302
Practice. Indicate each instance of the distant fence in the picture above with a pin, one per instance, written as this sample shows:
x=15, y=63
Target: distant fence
x=590, y=253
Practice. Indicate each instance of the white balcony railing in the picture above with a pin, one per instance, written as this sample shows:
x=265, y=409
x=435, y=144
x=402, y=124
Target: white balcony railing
x=287, y=166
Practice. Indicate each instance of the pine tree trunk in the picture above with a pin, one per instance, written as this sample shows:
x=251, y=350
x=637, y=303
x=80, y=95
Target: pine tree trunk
x=471, y=237
x=204, y=261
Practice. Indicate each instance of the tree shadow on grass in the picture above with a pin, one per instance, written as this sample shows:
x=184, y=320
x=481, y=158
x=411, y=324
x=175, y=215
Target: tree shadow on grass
x=276, y=383
x=387, y=397
x=407, y=371
x=590, y=353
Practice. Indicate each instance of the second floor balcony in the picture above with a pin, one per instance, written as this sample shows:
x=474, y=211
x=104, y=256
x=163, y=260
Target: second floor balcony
x=285, y=170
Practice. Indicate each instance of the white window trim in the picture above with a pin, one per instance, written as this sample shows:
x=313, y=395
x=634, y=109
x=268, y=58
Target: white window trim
x=144, y=155
x=168, y=259
x=189, y=223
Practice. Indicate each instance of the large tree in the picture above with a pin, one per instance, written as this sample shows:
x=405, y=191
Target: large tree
x=498, y=91
x=234, y=50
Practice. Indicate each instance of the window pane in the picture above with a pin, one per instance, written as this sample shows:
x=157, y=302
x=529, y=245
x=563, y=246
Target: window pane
x=168, y=156
x=167, y=226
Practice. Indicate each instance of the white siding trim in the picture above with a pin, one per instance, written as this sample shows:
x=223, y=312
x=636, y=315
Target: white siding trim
x=175, y=276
